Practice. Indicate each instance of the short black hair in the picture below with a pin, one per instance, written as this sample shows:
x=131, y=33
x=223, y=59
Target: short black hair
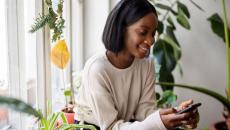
x=125, y=13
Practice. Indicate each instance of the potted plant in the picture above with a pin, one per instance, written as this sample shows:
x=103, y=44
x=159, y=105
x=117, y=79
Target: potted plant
x=60, y=54
x=216, y=23
x=44, y=123
x=167, y=48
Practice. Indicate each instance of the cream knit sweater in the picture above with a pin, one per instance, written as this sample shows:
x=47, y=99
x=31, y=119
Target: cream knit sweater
x=117, y=95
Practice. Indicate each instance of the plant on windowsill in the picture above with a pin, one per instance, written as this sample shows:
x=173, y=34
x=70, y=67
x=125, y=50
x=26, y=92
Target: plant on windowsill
x=217, y=26
x=59, y=54
x=48, y=122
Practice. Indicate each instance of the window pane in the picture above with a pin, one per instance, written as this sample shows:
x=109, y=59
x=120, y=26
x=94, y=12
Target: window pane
x=30, y=59
x=3, y=64
x=59, y=77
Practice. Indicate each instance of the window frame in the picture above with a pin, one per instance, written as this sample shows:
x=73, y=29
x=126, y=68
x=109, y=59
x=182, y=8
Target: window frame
x=16, y=57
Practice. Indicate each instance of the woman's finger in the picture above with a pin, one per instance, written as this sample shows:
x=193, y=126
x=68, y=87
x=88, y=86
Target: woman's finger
x=167, y=111
x=185, y=104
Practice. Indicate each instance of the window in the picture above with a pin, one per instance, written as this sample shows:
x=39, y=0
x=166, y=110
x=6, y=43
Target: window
x=4, y=88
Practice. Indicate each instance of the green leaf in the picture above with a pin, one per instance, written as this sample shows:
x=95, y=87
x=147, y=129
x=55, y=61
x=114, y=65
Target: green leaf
x=71, y=126
x=67, y=93
x=183, y=8
x=170, y=21
x=170, y=33
x=211, y=93
x=165, y=7
x=164, y=54
x=197, y=5
x=182, y=20
x=176, y=49
x=166, y=76
x=217, y=25
x=160, y=27
x=168, y=98
x=19, y=105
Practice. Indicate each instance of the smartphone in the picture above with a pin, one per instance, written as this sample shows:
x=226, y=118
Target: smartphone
x=189, y=108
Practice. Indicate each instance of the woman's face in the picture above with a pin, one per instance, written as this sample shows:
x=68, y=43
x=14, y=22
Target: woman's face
x=139, y=37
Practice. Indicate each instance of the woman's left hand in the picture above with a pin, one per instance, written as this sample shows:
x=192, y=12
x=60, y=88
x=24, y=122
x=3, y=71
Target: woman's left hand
x=191, y=123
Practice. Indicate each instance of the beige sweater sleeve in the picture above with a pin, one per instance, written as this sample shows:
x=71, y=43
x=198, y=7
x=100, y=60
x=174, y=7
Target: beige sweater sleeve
x=101, y=102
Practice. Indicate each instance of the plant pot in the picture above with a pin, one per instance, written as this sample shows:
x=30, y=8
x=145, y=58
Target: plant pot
x=69, y=114
x=219, y=126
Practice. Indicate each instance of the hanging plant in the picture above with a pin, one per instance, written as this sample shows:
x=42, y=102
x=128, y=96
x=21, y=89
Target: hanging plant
x=53, y=19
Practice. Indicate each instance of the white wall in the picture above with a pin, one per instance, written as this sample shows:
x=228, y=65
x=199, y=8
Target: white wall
x=95, y=14
x=203, y=61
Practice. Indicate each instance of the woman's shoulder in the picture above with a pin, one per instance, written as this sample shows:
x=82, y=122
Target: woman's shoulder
x=96, y=62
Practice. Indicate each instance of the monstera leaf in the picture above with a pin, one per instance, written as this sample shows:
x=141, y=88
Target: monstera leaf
x=60, y=54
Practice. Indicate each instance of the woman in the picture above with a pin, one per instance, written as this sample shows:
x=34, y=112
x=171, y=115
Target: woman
x=118, y=85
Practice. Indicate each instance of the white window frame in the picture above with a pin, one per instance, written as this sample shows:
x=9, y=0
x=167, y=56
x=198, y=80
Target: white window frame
x=16, y=49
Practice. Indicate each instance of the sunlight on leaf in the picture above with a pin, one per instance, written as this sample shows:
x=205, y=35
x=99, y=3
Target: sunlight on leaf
x=60, y=54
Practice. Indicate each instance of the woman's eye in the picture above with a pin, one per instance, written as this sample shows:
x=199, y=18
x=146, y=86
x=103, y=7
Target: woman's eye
x=143, y=33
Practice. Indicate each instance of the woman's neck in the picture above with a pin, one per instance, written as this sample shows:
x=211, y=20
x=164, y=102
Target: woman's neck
x=121, y=60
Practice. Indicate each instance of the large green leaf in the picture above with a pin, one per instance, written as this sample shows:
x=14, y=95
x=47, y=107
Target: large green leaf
x=183, y=20
x=165, y=7
x=160, y=27
x=166, y=76
x=217, y=25
x=19, y=105
x=170, y=21
x=211, y=93
x=170, y=33
x=164, y=54
x=183, y=8
x=176, y=48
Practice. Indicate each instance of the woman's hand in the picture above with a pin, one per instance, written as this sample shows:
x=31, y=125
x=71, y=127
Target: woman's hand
x=172, y=120
x=194, y=119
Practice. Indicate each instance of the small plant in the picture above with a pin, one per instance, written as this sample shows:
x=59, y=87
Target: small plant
x=51, y=122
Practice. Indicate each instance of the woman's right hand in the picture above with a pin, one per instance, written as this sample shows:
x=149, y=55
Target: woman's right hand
x=172, y=120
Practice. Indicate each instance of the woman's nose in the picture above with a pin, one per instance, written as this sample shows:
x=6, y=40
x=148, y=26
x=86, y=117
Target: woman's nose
x=149, y=41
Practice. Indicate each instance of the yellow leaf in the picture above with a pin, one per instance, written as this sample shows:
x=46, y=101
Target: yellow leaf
x=60, y=54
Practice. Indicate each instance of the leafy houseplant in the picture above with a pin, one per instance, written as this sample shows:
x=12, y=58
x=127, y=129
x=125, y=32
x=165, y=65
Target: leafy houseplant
x=60, y=54
x=167, y=48
x=220, y=28
x=45, y=123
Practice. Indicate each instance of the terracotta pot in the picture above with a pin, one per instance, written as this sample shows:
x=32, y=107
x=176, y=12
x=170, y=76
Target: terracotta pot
x=69, y=117
x=69, y=114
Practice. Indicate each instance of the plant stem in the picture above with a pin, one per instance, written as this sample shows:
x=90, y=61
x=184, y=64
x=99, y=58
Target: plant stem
x=166, y=14
x=227, y=47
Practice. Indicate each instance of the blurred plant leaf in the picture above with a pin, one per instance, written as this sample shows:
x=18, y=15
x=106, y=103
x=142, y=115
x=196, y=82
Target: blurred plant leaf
x=160, y=27
x=164, y=54
x=170, y=21
x=168, y=97
x=182, y=20
x=60, y=54
x=211, y=93
x=67, y=93
x=217, y=25
x=176, y=49
x=165, y=7
x=183, y=8
x=19, y=106
x=166, y=76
